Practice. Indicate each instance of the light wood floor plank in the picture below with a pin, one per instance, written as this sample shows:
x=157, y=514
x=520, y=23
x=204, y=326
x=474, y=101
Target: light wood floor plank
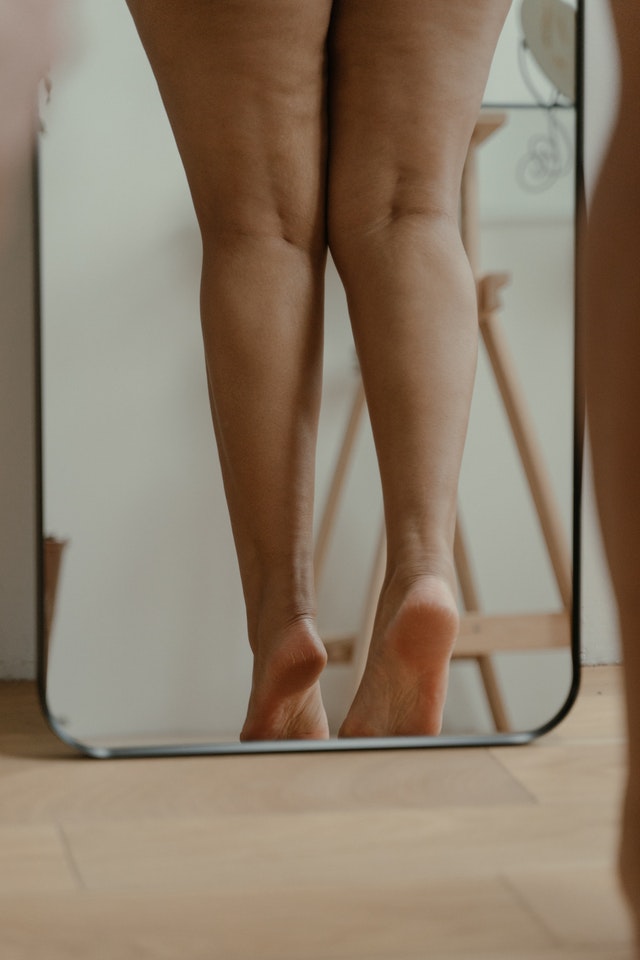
x=568, y=772
x=580, y=904
x=33, y=859
x=479, y=854
x=607, y=952
x=600, y=952
x=368, y=848
x=430, y=919
x=41, y=790
x=19, y=710
x=598, y=713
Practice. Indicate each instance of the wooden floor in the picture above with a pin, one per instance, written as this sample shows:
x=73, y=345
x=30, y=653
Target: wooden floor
x=481, y=854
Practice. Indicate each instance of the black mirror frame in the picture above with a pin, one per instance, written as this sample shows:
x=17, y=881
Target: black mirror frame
x=323, y=746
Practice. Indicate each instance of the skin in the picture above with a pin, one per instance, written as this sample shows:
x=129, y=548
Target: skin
x=341, y=124
x=612, y=348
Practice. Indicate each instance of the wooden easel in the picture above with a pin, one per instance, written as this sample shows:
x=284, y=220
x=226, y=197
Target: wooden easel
x=480, y=635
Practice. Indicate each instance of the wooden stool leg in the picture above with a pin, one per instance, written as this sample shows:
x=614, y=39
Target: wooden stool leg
x=525, y=438
x=466, y=579
x=494, y=696
x=471, y=603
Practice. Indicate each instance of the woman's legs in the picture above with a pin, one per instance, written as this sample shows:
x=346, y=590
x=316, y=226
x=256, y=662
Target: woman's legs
x=244, y=86
x=406, y=82
x=612, y=305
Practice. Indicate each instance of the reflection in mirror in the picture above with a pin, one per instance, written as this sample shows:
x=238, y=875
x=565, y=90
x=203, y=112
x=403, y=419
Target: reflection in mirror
x=146, y=646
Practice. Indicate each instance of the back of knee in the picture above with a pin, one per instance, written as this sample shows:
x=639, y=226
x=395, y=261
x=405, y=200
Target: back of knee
x=355, y=234
x=232, y=225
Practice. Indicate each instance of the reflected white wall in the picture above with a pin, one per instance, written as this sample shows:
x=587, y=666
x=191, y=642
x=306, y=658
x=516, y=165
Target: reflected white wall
x=132, y=477
x=17, y=642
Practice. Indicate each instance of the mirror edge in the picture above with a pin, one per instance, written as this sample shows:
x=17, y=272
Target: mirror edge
x=400, y=743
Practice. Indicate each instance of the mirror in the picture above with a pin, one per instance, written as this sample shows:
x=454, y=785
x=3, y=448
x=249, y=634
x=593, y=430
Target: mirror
x=145, y=644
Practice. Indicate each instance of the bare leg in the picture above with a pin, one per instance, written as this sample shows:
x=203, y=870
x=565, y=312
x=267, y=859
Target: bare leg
x=612, y=305
x=406, y=85
x=243, y=82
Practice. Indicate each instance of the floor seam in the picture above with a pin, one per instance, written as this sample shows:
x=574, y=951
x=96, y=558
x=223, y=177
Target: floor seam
x=69, y=857
x=556, y=941
x=534, y=799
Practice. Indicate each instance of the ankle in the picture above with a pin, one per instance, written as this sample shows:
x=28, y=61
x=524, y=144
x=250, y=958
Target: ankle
x=406, y=574
x=276, y=599
x=279, y=620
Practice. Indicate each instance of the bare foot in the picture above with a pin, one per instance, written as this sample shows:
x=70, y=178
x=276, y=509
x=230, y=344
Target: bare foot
x=404, y=686
x=285, y=701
